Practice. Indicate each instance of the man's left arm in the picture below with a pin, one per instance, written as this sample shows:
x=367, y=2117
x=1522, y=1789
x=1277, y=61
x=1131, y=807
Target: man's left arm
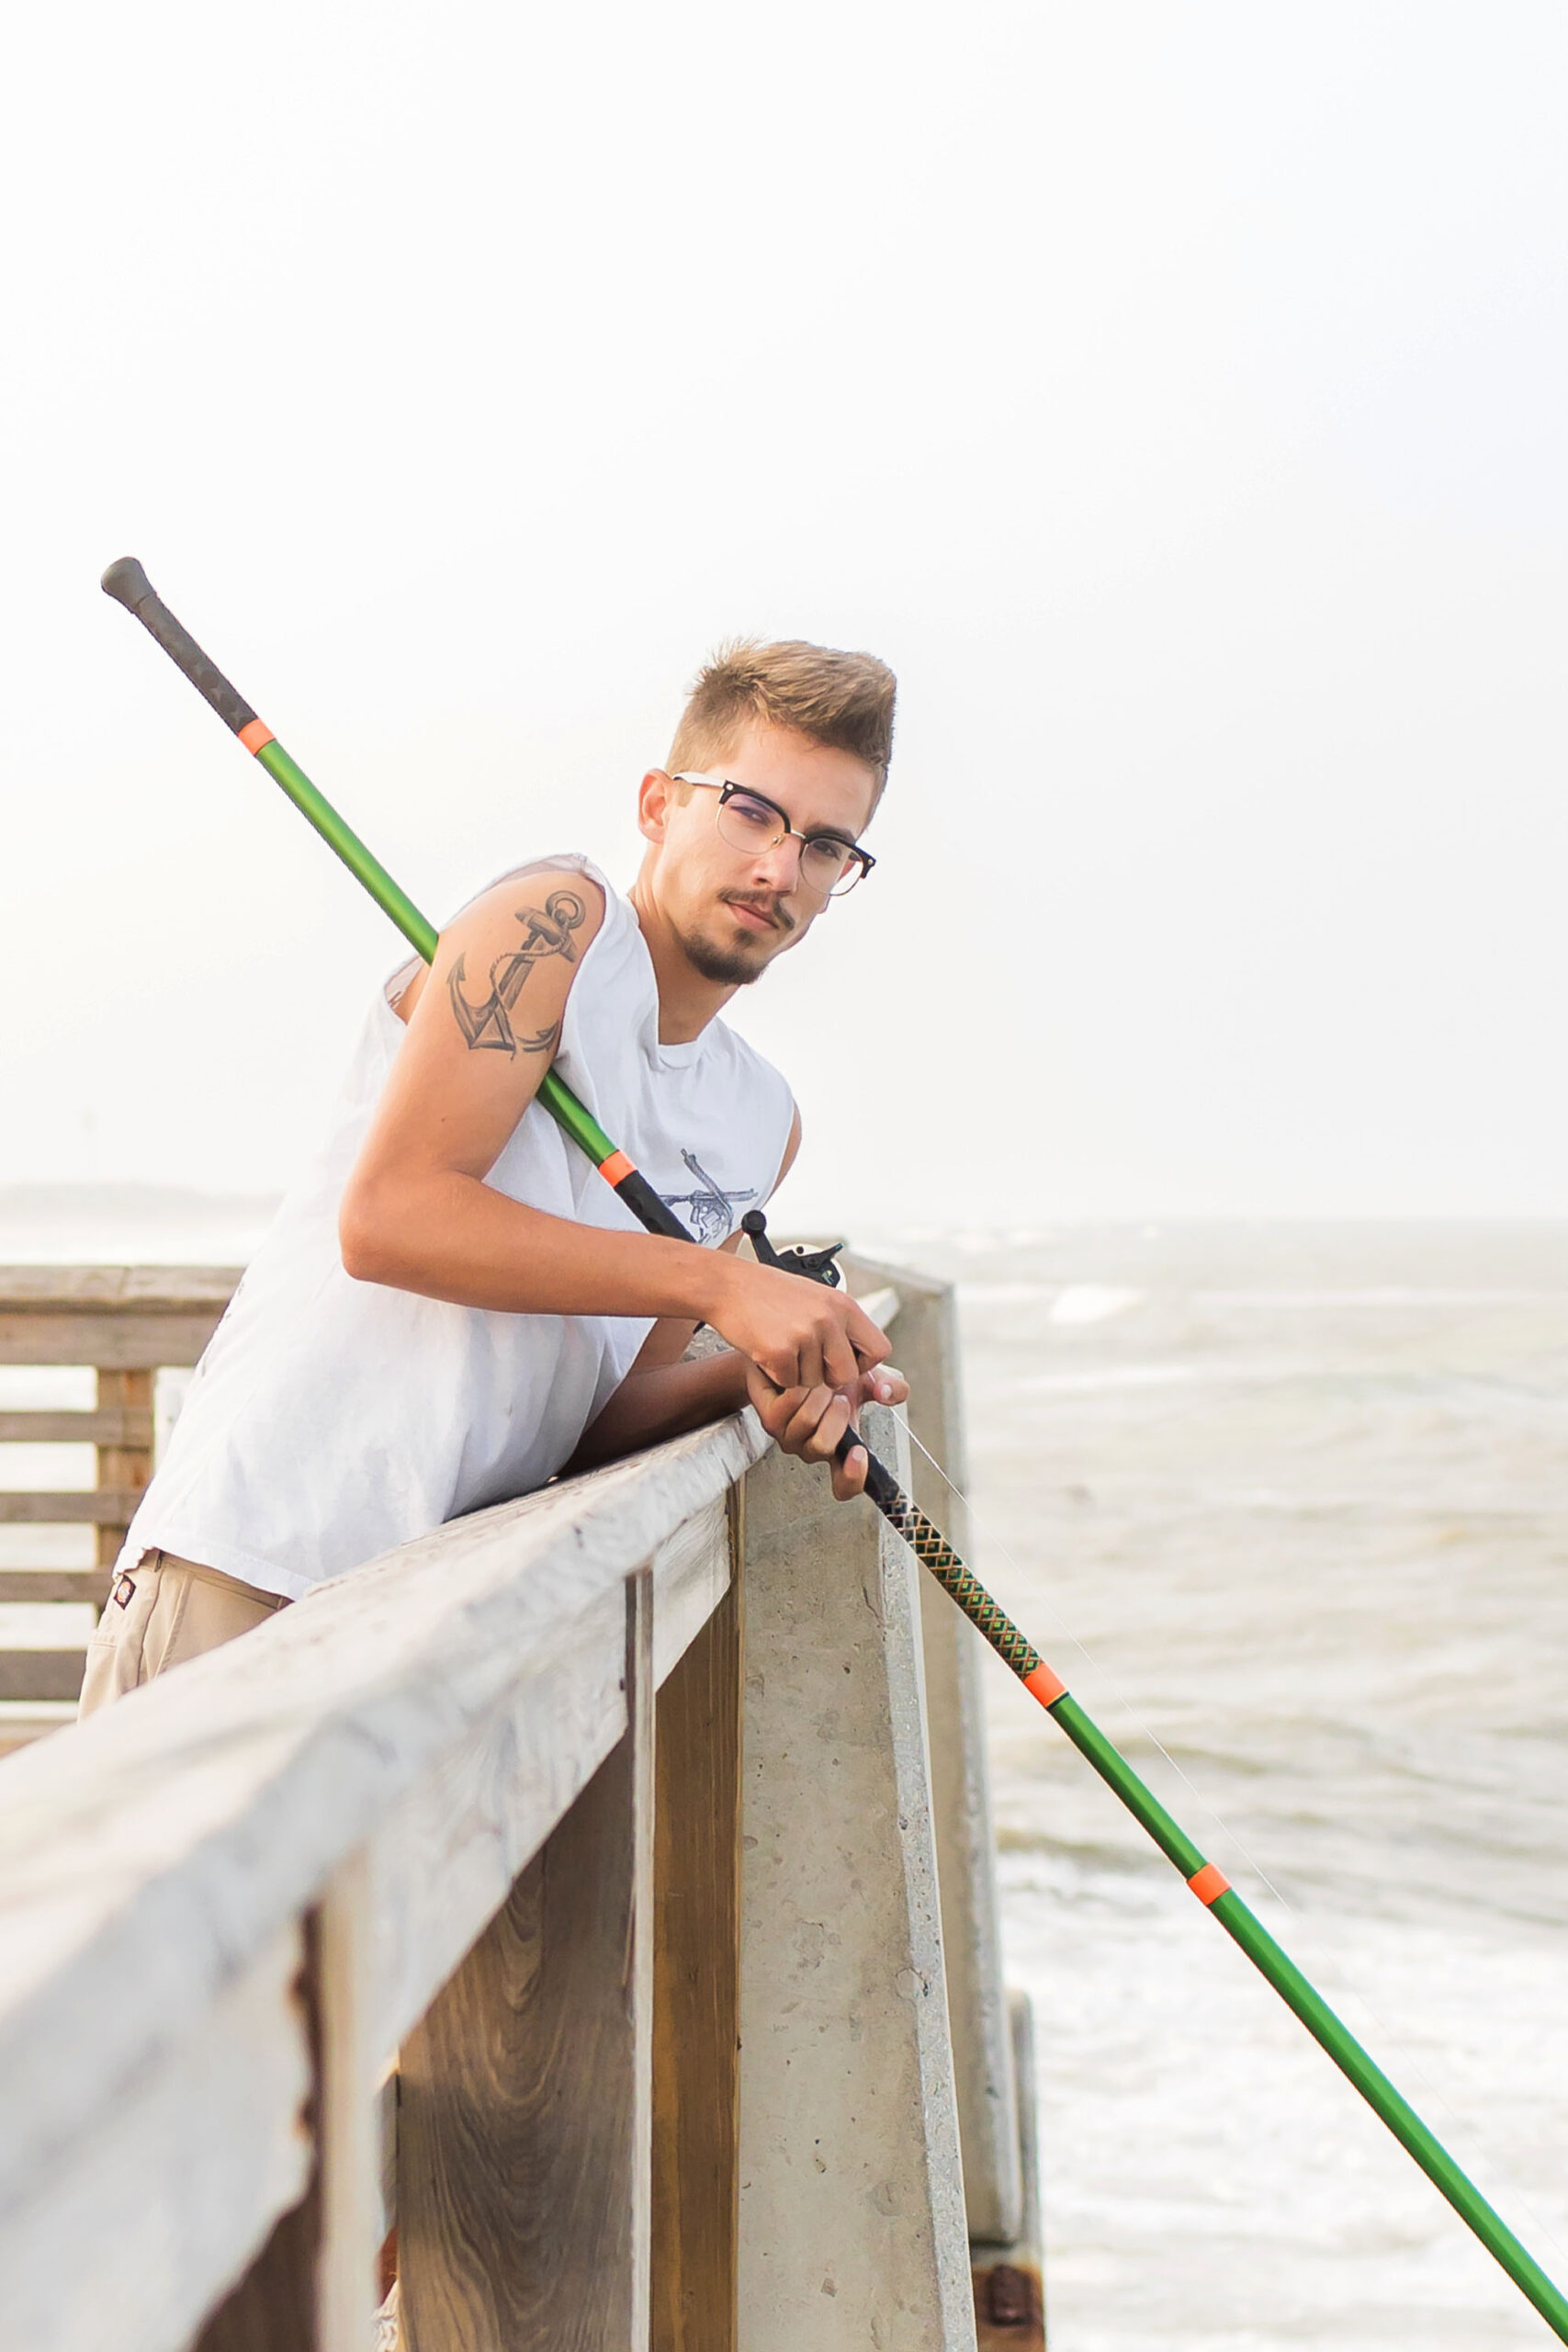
x=662, y=1397
x=659, y=1400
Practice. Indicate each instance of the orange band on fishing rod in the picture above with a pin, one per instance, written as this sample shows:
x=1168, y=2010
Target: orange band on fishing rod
x=1045, y=1686
x=1209, y=1884
x=257, y=733
x=618, y=1168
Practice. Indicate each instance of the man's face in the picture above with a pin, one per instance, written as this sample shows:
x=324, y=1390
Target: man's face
x=734, y=910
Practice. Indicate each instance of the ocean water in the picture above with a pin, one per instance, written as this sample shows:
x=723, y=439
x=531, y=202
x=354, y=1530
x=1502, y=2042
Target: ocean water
x=1288, y=1508
x=1302, y=1496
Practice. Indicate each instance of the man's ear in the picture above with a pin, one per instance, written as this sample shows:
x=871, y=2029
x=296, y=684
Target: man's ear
x=656, y=796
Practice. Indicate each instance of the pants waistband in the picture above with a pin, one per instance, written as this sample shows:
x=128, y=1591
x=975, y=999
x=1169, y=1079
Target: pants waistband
x=156, y=1559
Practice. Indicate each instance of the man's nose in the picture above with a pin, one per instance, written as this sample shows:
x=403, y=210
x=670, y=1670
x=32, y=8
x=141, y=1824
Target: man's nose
x=779, y=865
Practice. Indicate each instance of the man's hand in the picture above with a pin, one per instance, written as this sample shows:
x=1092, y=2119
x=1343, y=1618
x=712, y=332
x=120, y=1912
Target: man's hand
x=810, y=1421
x=801, y=1334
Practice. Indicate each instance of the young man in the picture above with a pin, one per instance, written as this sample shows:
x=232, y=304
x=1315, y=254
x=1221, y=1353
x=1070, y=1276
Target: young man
x=453, y=1304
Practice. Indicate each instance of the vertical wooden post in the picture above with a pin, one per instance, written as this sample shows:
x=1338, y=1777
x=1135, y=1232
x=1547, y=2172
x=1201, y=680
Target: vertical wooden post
x=273, y=2307
x=523, y=2131
x=696, y=2027
x=309, y=2289
x=1010, y=2291
x=852, y=2192
x=128, y=1466
x=642, y=1700
x=348, y=2116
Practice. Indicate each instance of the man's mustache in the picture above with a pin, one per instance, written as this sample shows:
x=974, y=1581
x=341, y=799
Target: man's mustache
x=759, y=904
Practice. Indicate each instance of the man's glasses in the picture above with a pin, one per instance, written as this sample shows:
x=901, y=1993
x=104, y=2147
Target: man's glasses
x=748, y=821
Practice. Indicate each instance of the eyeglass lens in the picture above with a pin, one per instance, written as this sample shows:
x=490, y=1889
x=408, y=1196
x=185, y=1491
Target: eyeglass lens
x=827, y=866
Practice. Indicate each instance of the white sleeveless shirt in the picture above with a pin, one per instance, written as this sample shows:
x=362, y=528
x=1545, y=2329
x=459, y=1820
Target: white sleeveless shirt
x=330, y=1420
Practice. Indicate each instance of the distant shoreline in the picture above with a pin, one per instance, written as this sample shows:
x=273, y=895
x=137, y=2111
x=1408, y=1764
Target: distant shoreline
x=130, y=1224
x=82, y=1223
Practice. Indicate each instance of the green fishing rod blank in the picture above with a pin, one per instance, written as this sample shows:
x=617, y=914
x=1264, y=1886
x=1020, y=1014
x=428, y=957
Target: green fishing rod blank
x=127, y=581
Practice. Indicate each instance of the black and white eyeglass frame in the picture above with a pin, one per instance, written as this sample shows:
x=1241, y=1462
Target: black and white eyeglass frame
x=860, y=861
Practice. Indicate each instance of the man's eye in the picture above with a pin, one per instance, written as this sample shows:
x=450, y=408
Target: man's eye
x=754, y=813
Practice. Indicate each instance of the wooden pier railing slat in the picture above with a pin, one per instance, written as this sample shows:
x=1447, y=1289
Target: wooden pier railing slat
x=117, y=1290
x=120, y=1343
x=90, y=1585
x=70, y=1507
x=40, y=1674
x=118, y=1317
x=110, y=1425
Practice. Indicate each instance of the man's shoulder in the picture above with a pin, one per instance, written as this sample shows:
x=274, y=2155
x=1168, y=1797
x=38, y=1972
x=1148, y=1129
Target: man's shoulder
x=560, y=903
x=561, y=871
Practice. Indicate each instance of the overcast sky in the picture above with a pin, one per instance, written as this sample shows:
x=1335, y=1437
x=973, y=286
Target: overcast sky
x=1174, y=394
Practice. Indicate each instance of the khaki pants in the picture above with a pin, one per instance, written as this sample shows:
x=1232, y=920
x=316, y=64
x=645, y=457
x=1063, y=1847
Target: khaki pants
x=163, y=1612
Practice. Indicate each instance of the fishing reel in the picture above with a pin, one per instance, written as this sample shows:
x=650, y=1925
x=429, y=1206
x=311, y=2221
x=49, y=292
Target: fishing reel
x=813, y=1265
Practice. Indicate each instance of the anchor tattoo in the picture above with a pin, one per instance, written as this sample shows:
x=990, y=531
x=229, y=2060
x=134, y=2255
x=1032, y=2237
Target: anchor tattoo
x=486, y=1027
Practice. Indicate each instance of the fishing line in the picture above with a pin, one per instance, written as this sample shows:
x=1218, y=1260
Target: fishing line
x=1344, y=1988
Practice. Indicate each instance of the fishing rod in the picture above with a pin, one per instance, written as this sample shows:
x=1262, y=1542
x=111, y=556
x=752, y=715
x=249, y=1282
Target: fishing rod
x=129, y=584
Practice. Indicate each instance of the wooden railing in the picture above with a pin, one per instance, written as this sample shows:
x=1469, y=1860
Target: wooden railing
x=563, y=1886
x=119, y=1325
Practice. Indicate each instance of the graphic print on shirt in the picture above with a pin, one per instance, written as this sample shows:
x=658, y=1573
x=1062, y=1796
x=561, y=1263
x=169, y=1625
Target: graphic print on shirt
x=709, y=1213
x=486, y=1025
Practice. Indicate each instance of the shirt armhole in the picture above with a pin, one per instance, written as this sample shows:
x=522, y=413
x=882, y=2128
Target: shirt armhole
x=789, y=1150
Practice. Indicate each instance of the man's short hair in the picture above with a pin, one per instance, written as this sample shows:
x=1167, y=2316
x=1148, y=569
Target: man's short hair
x=842, y=700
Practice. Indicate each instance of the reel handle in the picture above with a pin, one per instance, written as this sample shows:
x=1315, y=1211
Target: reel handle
x=813, y=1265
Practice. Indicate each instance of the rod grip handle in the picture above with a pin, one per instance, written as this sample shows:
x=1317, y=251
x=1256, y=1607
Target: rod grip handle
x=126, y=582
x=881, y=1488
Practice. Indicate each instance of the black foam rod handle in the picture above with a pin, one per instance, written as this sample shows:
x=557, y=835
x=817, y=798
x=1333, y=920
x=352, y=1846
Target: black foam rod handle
x=881, y=1486
x=129, y=584
x=646, y=1206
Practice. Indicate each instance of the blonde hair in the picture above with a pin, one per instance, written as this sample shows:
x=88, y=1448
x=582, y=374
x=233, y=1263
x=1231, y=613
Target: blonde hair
x=842, y=700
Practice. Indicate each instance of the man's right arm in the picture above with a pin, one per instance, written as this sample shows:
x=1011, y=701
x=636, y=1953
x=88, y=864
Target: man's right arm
x=417, y=1214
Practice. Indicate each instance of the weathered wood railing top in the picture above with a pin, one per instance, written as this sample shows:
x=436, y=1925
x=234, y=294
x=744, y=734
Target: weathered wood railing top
x=110, y=1315
x=437, y=1712
x=341, y=1801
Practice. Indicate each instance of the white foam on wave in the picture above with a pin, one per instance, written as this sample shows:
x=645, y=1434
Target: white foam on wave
x=1076, y=1303
x=1093, y=1303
